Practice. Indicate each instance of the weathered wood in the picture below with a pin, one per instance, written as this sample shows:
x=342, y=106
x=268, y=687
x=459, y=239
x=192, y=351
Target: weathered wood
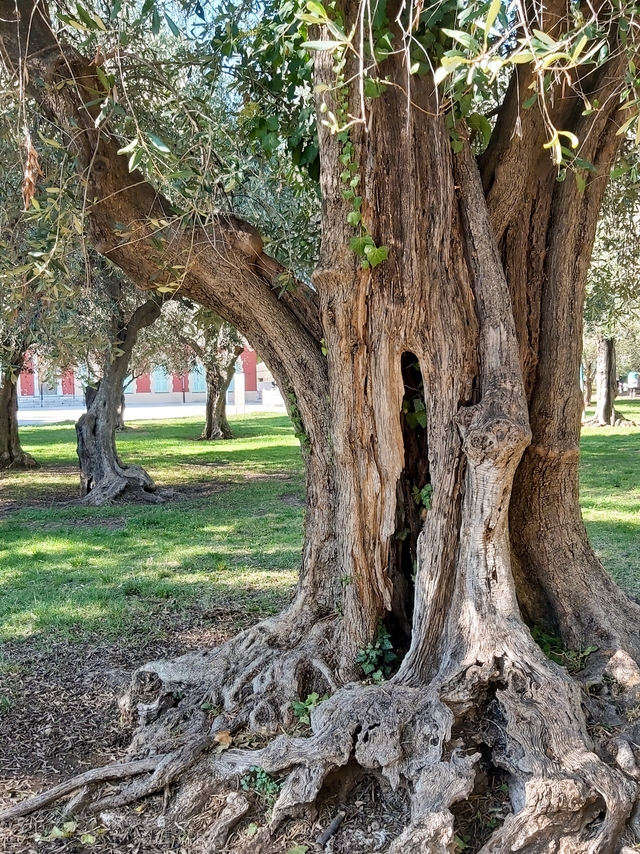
x=115, y=771
x=483, y=288
x=216, y=837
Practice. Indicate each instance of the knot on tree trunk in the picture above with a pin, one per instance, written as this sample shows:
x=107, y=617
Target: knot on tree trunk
x=490, y=435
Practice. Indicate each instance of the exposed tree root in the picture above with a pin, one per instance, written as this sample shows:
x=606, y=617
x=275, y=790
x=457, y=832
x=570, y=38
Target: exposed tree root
x=250, y=680
x=617, y=420
x=213, y=435
x=517, y=708
x=19, y=460
x=116, y=771
x=131, y=482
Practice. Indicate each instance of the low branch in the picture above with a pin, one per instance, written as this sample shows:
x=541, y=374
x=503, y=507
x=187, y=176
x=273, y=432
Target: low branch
x=225, y=267
x=145, y=315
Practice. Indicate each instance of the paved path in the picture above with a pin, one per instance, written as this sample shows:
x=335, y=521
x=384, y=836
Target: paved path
x=139, y=412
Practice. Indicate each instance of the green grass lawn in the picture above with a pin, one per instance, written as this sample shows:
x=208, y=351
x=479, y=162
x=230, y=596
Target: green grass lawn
x=230, y=542
x=610, y=495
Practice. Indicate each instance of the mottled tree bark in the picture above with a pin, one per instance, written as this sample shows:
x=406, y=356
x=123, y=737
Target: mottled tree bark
x=103, y=475
x=546, y=230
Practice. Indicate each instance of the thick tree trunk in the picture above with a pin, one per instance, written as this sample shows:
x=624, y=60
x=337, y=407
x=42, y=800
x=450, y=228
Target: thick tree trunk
x=103, y=476
x=219, y=379
x=606, y=382
x=551, y=225
x=11, y=453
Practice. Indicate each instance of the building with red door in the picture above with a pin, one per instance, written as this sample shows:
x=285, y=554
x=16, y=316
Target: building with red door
x=36, y=388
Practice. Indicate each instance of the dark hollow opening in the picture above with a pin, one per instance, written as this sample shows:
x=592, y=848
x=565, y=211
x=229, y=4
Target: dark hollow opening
x=413, y=494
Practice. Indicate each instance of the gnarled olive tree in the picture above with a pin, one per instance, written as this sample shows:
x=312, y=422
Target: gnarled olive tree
x=12, y=454
x=463, y=292
x=103, y=475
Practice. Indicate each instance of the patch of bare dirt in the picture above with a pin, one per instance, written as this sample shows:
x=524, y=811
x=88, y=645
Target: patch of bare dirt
x=59, y=716
x=291, y=499
x=44, y=488
x=360, y=820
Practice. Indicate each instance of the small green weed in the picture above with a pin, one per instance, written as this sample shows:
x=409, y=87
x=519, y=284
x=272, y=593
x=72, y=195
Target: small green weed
x=69, y=829
x=5, y=704
x=262, y=783
x=302, y=708
x=553, y=647
x=415, y=412
x=378, y=657
x=422, y=497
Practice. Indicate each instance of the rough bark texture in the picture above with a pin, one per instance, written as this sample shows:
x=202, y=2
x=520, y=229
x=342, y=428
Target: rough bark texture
x=90, y=395
x=103, y=475
x=477, y=312
x=544, y=228
x=11, y=453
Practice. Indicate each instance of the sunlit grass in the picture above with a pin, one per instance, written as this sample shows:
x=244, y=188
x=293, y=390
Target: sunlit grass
x=610, y=495
x=232, y=538
x=231, y=541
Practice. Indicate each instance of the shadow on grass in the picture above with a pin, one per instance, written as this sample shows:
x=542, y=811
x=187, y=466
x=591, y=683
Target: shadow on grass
x=232, y=540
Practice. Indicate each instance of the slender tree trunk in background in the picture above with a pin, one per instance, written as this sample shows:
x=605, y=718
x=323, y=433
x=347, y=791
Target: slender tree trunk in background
x=103, y=476
x=218, y=381
x=11, y=453
x=607, y=382
x=588, y=385
x=216, y=400
x=120, y=425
